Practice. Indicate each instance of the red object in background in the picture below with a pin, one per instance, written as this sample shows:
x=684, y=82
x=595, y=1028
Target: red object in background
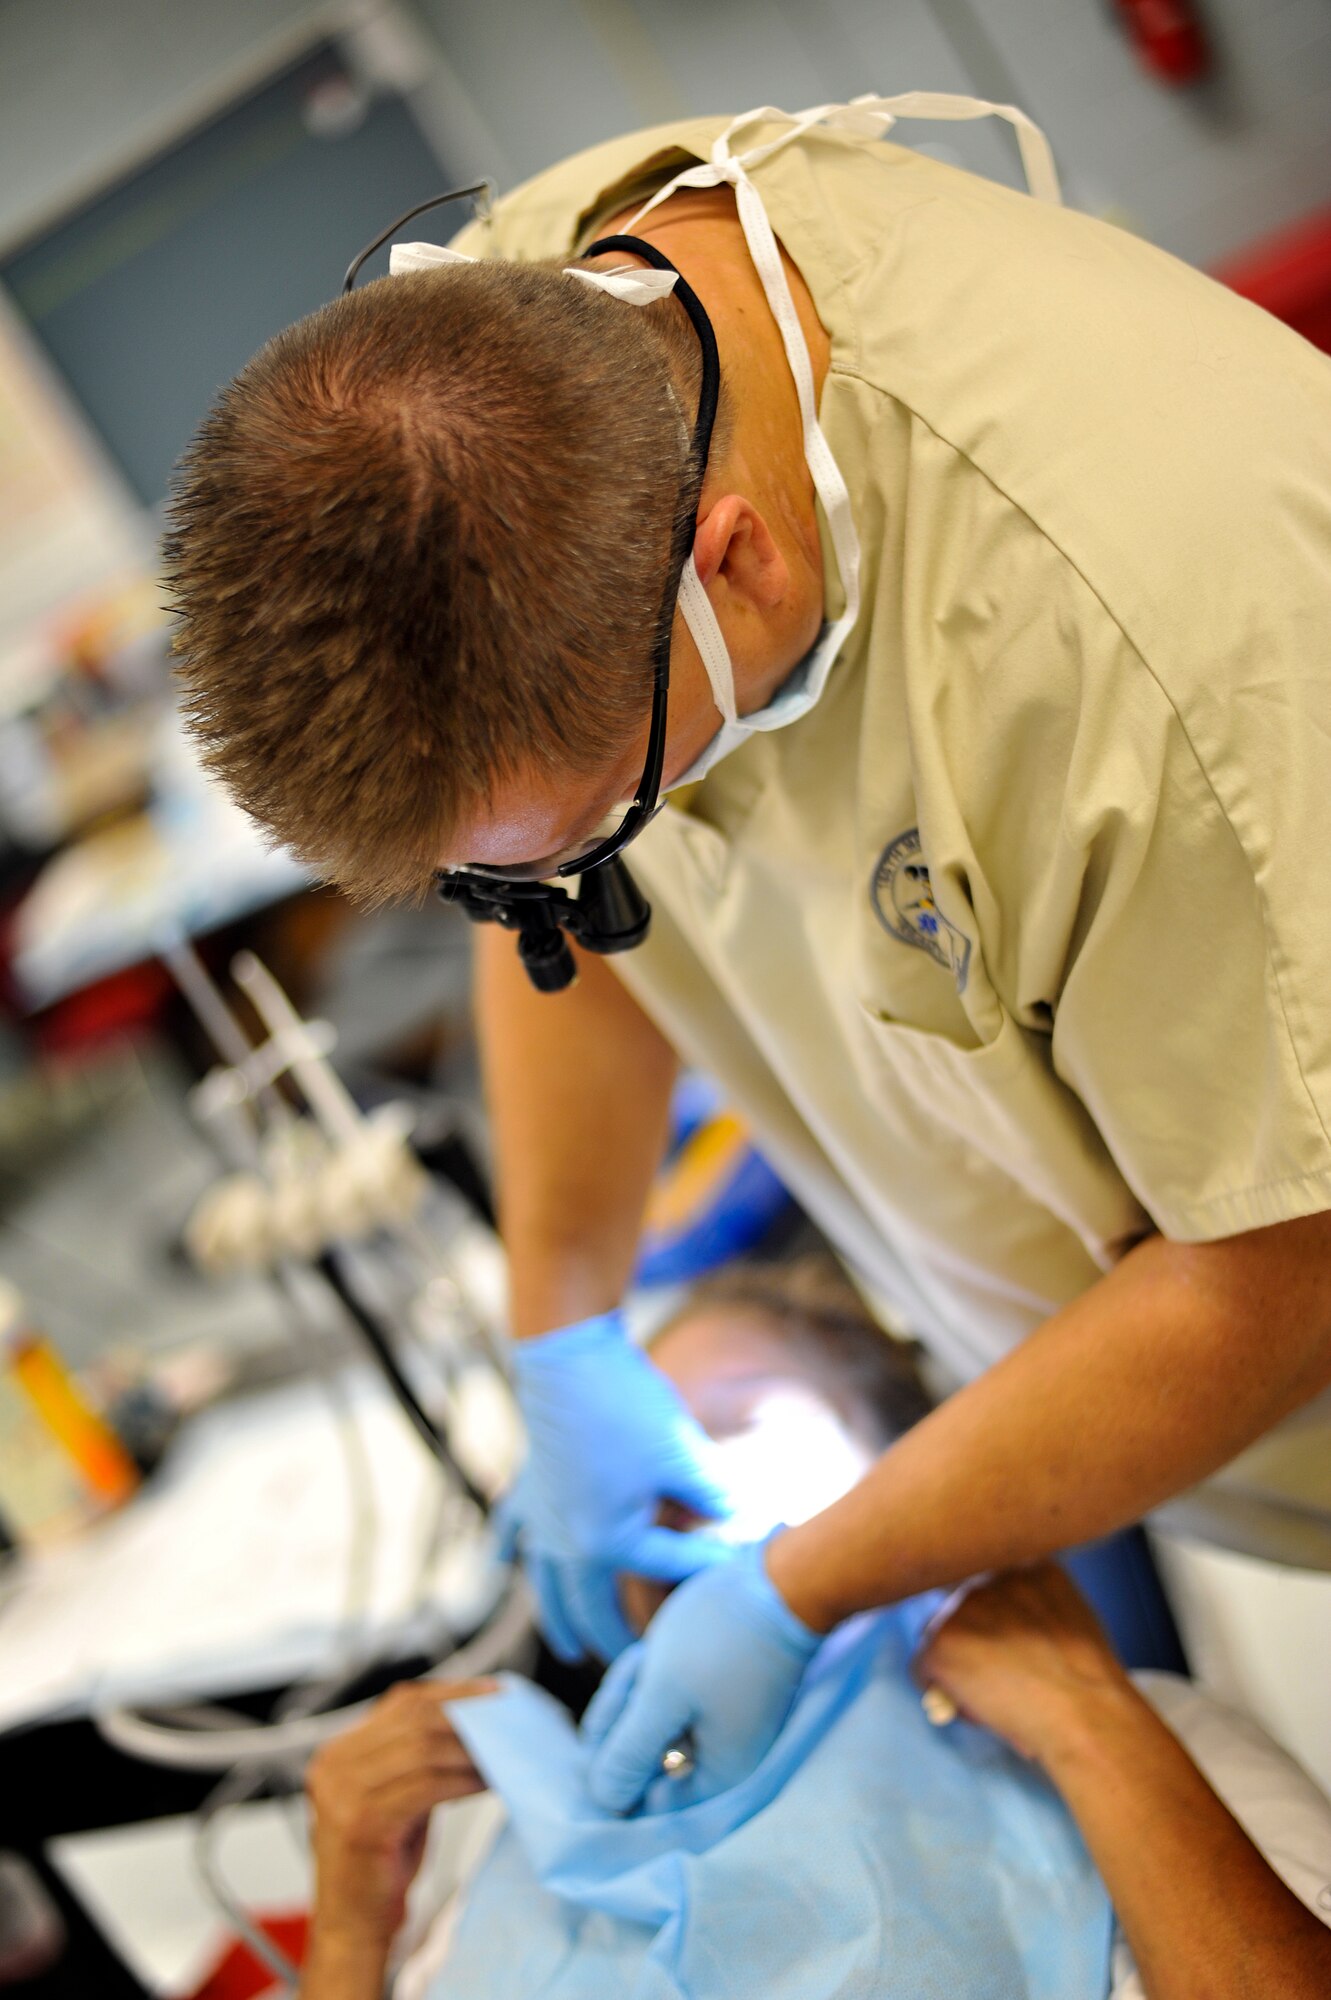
x=1168, y=37
x=241, y=1976
x=1289, y=274
x=123, y=1005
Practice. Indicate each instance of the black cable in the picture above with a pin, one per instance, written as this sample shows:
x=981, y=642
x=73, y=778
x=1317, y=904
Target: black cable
x=377, y=1341
x=483, y=188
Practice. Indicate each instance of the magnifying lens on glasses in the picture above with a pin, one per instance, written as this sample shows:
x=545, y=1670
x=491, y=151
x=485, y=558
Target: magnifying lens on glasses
x=608, y=913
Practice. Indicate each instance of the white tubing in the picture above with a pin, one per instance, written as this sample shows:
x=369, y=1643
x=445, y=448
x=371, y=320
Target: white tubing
x=325, y=1092
x=193, y=1749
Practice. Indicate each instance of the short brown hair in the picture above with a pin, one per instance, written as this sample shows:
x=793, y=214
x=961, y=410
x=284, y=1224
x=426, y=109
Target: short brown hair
x=814, y=1310
x=422, y=539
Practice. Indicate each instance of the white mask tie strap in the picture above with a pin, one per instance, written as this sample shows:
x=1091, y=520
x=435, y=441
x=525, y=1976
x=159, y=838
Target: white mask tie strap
x=627, y=282
x=1037, y=158
x=871, y=116
x=866, y=116
x=724, y=166
x=696, y=607
x=422, y=257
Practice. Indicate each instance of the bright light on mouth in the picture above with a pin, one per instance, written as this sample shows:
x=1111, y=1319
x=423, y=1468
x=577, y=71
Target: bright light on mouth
x=794, y=1458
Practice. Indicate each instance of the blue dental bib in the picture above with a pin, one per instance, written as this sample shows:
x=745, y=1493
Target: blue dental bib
x=868, y=1855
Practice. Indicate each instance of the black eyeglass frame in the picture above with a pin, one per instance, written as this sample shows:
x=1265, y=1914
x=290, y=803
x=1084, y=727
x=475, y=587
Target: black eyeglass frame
x=482, y=192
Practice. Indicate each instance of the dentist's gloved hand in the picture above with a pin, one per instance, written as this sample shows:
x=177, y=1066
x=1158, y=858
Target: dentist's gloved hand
x=721, y=1663
x=608, y=1439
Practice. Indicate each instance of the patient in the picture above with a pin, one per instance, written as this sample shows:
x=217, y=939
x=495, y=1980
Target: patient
x=948, y=1863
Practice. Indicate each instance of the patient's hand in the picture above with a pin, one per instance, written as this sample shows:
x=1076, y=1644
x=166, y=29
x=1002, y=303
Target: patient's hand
x=373, y=1790
x=1022, y=1654
x=1204, y=1912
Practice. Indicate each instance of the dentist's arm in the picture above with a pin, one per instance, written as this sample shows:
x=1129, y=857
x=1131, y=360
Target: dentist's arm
x=578, y=1084
x=1177, y=1359
x=578, y=1088
x=1155, y=1377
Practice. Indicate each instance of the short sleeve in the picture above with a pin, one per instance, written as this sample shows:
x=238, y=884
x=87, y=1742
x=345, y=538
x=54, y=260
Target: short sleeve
x=1191, y=1020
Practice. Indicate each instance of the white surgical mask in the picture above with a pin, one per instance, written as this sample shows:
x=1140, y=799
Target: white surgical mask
x=868, y=117
x=794, y=698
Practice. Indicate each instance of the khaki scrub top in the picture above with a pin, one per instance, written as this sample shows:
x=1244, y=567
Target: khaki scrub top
x=1018, y=945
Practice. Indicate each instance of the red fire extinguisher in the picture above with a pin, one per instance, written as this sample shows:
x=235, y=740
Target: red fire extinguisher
x=1168, y=37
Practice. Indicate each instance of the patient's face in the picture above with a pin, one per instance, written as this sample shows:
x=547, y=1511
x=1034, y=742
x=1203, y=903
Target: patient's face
x=787, y=1451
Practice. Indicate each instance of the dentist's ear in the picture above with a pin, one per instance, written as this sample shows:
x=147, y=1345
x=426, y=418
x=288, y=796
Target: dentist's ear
x=733, y=542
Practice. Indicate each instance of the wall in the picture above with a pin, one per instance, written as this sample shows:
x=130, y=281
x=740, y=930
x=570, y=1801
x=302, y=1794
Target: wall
x=1202, y=172
x=85, y=83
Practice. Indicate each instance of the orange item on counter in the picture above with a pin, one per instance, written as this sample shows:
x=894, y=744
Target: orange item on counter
x=61, y=1465
x=93, y=1446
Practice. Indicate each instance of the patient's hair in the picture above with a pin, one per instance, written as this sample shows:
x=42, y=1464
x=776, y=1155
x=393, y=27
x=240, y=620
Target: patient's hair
x=423, y=540
x=814, y=1310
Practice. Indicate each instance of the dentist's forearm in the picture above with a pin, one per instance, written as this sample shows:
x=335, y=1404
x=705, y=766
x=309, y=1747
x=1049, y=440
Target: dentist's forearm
x=1162, y=1372
x=578, y=1088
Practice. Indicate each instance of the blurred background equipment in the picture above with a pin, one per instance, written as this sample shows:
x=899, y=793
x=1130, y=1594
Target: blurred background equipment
x=31, y=1933
x=295, y=1539
x=1169, y=37
x=715, y=1198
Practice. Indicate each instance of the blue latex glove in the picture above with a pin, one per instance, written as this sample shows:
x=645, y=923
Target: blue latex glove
x=608, y=1439
x=721, y=1664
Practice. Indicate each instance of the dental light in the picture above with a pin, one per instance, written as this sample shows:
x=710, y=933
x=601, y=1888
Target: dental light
x=793, y=1458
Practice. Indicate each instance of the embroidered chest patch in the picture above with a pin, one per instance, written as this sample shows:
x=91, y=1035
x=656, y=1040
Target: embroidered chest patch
x=903, y=901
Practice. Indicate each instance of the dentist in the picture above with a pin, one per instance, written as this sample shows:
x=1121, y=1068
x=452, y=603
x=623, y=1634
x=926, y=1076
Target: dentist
x=976, y=641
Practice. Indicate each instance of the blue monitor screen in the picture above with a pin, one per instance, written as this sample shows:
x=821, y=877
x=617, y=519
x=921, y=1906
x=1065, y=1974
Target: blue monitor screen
x=155, y=293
